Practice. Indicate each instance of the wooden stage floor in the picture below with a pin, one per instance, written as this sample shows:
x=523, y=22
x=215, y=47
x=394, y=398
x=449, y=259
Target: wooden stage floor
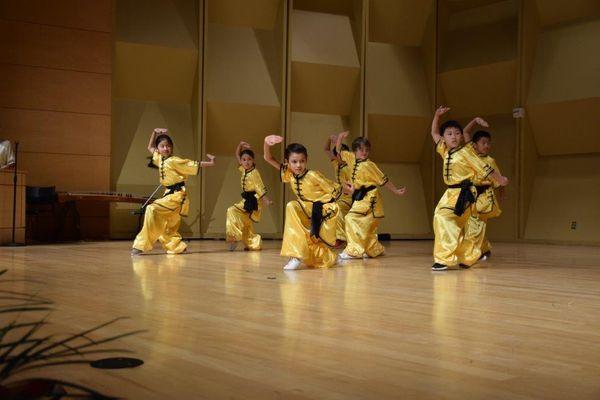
x=220, y=325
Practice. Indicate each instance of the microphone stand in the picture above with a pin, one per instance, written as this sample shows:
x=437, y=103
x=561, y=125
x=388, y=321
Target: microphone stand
x=13, y=243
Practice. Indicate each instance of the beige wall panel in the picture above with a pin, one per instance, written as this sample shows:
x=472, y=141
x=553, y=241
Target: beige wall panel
x=462, y=5
x=323, y=39
x=529, y=166
x=479, y=45
x=312, y=130
x=397, y=138
x=400, y=22
x=395, y=81
x=427, y=165
x=567, y=62
x=259, y=14
x=154, y=73
x=530, y=32
x=49, y=46
x=39, y=88
x=237, y=70
x=66, y=171
x=406, y=215
x=223, y=190
x=57, y=132
x=227, y=124
x=557, y=11
x=483, y=14
x=172, y=23
x=484, y=90
x=323, y=89
x=567, y=127
x=428, y=55
x=93, y=15
x=340, y=7
x=566, y=189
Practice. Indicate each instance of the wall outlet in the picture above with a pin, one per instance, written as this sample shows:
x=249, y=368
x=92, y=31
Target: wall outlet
x=573, y=225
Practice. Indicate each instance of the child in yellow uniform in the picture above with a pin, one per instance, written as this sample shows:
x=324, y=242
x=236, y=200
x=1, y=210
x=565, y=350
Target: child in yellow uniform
x=367, y=204
x=343, y=175
x=461, y=168
x=163, y=216
x=310, y=221
x=487, y=202
x=241, y=216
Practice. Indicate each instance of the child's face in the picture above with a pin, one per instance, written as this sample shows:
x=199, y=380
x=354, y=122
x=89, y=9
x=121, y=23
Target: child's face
x=297, y=163
x=362, y=153
x=483, y=146
x=247, y=161
x=164, y=148
x=452, y=137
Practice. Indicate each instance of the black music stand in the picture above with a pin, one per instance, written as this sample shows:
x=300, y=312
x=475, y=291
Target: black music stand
x=13, y=243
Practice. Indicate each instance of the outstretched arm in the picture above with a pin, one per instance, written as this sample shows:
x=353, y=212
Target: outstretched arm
x=241, y=146
x=340, y=139
x=209, y=163
x=331, y=140
x=497, y=177
x=435, y=124
x=155, y=133
x=467, y=132
x=397, y=191
x=271, y=140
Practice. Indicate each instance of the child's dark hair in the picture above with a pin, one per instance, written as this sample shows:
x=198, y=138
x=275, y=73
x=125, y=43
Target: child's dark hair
x=162, y=137
x=360, y=142
x=481, y=134
x=247, y=151
x=294, y=148
x=344, y=148
x=450, y=124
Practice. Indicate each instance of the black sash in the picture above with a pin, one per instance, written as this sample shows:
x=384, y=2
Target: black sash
x=175, y=188
x=465, y=197
x=482, y=188
x=316, y=218
x=360, y=193
x=250, y=201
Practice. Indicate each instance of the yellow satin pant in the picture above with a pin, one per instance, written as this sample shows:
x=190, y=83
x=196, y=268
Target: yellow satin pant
x=361, y=230
x=297, y=241
x=344, y=205
x=161, y=222
x=239, y=228
x=474, y=236
x=453, y=245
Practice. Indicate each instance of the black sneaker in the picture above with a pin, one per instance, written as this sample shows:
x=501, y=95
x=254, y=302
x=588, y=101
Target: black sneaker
x=439, y=267
x=485, y=255
x=464, y=266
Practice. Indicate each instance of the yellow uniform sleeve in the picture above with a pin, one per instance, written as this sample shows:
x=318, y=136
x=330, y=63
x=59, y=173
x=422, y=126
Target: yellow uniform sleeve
x=241, y=169
x=482, y=169
x=258, y=185
x=156, y=158
x=493, y=164
x=329, y=187
x=285, y=174
x=441, y=148
x=348, y=157
x=184, y=166
x=374, y=174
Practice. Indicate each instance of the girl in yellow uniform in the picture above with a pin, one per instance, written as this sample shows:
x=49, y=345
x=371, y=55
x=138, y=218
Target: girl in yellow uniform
x=367, y=204
x=310, y=221
x=242, y=216
x=163, y=216
x=343, y=174
x=487, y=203
x=461, y=168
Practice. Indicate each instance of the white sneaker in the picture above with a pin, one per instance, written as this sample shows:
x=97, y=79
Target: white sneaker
x=294, y=263
x=345, y=256
x=232, y=246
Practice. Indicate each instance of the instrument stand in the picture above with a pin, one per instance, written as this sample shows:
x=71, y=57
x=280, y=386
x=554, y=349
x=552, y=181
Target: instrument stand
x=13, y=243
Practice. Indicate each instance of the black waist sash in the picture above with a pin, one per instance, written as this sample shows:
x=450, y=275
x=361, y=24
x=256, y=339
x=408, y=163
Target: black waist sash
x=360, y=193
x=250, y=201
x=482, y=188
x=316, y=218
x=175, y=188
x=465, y=197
